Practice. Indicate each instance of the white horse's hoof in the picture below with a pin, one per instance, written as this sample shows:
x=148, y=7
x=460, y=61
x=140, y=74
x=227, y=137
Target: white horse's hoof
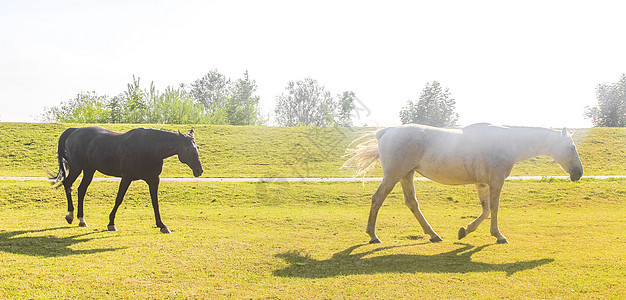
x=82, y=223
x=165, y=230
x=462, y=233
x=111, y=228
x=69, y=218
x=503, y=241
x=375, y=241
x=436, y=239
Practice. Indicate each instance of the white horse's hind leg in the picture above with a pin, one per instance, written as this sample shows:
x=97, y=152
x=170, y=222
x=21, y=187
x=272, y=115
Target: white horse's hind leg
x=494, y=194
x=385, y=187
x=484, y=196
x=408, y=187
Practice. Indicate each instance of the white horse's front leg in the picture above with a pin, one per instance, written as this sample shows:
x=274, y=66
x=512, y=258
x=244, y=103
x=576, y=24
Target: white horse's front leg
x=378, y=198
x=484, y=196
x=495, y=190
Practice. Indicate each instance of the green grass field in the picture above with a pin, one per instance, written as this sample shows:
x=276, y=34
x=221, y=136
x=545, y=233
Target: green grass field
x=241, y=151
x=307, y=240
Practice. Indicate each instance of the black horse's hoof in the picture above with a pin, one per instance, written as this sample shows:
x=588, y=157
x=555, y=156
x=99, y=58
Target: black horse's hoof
x=462, y=233
x=502, y=241
x=165, y=230
x=111, y=228
x=69, y=218
x=435, y=239
x=82, y=223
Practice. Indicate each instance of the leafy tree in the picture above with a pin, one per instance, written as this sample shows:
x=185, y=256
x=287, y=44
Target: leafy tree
x=212, y=91
x=305, y=103
x=213, y=99
x=345, y=107
x=611, y=109
x=243, y=106
x=134, y=103
x=174, y=106
x=87, y=107
x=116, y=110
x=435, y=107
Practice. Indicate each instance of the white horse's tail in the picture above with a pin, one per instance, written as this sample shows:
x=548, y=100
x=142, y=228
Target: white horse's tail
x=364, y=155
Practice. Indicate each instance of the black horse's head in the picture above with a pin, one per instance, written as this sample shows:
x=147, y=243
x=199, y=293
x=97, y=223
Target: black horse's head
x=188, y=153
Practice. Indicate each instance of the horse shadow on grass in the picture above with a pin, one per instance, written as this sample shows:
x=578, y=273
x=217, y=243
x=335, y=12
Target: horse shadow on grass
x=345, y=263
x=20, y=242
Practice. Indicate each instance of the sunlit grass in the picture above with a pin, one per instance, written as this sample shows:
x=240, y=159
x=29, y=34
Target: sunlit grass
x=307, y=240
x=244, y=151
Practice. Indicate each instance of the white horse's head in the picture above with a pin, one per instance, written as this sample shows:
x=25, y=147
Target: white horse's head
x=566, y=154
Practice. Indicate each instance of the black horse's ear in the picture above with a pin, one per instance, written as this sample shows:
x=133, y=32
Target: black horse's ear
x=180, y=133
x=191, y=133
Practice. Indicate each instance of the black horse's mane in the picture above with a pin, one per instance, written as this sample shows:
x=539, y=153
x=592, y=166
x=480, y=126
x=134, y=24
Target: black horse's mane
x=157, y=131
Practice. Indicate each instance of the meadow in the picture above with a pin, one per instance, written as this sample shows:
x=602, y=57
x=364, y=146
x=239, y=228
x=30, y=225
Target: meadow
x=307, y=240
x=244, y=151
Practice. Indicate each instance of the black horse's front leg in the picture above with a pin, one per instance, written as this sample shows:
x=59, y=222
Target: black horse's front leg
x=82, y=190
x=124, y=184
x=153, y=185
x=67, y=186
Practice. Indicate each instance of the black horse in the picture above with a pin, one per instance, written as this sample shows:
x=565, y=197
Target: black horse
x=136, y=154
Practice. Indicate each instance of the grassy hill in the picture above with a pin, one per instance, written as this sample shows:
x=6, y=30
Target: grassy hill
x=26, y=149
x=306, y=240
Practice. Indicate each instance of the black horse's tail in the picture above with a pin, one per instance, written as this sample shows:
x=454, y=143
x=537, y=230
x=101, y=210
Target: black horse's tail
x=62, y=157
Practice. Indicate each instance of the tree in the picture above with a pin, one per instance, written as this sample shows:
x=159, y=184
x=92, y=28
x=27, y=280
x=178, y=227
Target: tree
x=305, y=103
x=611, y=109
x=131, y=105
x=213, y=99
x=435, y=107
x=87, y=107
x=174, y=106
x=345, y=107
x=212, y=91
x=135, y=105
x=243, y=106
x=116, y=109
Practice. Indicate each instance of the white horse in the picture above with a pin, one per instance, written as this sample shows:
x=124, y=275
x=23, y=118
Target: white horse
x=482, y=154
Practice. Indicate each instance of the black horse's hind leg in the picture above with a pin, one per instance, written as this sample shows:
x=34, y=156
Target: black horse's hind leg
x=153, y=184
x=67, y=186
x=82, y=190
x=124, y=184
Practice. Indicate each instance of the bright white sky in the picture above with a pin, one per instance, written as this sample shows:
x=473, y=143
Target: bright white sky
x=532, y=63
